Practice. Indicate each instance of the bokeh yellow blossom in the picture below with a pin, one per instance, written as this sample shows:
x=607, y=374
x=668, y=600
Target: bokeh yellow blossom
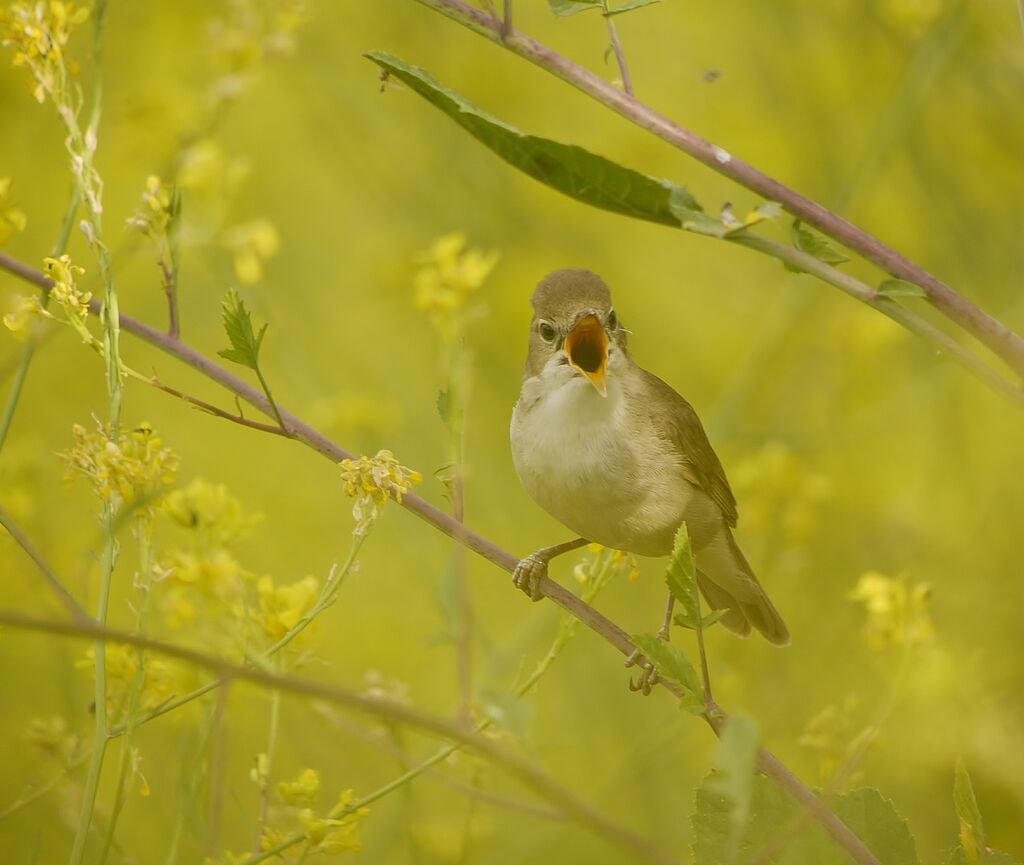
x=335, y=834
x=371, y=481
x=154, y=214
x=897, y=613
x=162, y=678
x=211, y=511
x=38, y=33
x=448, y=274
x=282, y=607
x=250, y=245
x=26, y=308
x=303, y=791
x=12, y=220
x=135, y=469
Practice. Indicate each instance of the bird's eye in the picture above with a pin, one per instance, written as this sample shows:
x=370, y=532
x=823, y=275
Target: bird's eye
x=613, y=320
x=546, y=331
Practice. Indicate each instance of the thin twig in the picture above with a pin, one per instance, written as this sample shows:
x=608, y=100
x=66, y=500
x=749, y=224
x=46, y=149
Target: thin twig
x=997, y=336
x=489, y=550
x=620, y=55
x=219, y=412
x=78, y=612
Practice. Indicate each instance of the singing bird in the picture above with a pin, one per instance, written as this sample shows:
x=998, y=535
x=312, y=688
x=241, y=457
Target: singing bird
x=617, y=456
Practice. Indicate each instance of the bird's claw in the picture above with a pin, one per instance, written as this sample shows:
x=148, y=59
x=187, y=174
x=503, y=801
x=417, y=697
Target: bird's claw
x=529, y=574
x=648, y=677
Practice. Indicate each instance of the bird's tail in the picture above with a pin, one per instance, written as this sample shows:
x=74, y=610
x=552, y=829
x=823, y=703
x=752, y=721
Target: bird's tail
x=728, y=582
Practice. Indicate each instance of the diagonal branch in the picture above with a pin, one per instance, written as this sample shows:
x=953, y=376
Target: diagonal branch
x=596, y=621
x=1000, y=339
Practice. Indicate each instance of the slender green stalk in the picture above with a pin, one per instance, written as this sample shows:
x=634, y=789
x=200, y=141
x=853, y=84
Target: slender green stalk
x=99, y=745
x=270, y=398
x=265, y=770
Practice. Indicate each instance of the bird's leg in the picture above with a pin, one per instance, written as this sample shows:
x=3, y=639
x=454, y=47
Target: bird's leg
x=649, y=677
x=533, y=569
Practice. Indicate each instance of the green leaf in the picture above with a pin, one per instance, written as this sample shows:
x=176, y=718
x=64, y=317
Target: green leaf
x=901, y=288
x=736, y=759
x=444, y=407
x=625, y=7
x=869, y=815
x=571, y=7
x=809, y=241
x=972, y=831
x=670, y=662
x=245, y=344
x=680, y=576
x=567, y=168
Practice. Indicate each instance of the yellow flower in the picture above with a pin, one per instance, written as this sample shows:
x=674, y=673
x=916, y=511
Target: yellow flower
x=12, y=220
x=27, y=308
x=251, y=244
x=448, y=275
x=897, y=614
x=133, y=470
x=64, y=290
x=162, y=678
x=38, y=33
x=282, y=607
x=371, y=481
x=303, y=791
x=154, y=214
x=209, y=510
x=335, y=834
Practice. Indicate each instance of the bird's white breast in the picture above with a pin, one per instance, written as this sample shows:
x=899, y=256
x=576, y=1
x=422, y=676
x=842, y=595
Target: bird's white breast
x=575, y=456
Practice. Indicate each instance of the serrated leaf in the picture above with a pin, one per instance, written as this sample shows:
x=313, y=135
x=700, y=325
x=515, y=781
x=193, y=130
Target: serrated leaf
x=901, y=288
x=736, y=760
x=809, y=241
x=680, y=575
x=972, y=831
x=567, y=168
x=626, y=7
x=245, y=344
x=764, y=211
x=670, y=662
x=571, y=7
x=870, y=816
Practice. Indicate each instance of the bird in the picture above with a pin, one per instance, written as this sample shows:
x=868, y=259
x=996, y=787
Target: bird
x=620, y=458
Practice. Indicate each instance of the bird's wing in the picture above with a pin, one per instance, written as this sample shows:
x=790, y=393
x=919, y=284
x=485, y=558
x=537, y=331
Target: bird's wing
x=679, y=424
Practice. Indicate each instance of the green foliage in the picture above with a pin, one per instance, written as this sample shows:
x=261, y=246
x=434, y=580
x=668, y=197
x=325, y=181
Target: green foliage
x=901, y=288
x=775, y=818
x=245, y=343
x=670, y=662
x=972, y=831
x=736, y=760
x=808, y=240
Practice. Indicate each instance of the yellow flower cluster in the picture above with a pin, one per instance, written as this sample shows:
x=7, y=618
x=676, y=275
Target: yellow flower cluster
x=897, y=613
x=12, y=220
x=154, y=214
x=27, y=307
x=335, y=834
x=64, y=291
x=251, y=244
x=211, y=511
x=162, y=678
x=281, y=608
x=38, y=33
x=133, y=470
x=371, y=481
x=620, y=561
x=303, y=791
x=448, y=275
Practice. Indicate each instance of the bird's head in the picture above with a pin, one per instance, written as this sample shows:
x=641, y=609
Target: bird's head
x=575, y=334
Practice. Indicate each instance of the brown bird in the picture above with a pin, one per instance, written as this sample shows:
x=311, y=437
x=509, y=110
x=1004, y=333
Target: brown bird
x=619, y=457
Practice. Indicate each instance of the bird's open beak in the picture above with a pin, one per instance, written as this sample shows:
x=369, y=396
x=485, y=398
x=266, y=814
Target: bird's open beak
x=587, y=347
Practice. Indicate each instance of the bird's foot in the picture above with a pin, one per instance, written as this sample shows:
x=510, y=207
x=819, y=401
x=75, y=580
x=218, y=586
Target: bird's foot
x=648, y=675
x=529, y=574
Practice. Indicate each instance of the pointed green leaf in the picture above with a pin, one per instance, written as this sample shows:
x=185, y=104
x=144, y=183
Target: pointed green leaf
x=736, y=760
x=901, y=288
x=670, y=662
x=567, y=168
x=571, y=7
x=809, y=241
x=444, y=407
x=972, y=831
x=628, y=6
x=680, y=575
x=245, y=344
x=869, y=815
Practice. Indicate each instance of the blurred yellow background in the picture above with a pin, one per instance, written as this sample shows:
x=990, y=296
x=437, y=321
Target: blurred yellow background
x=851, y=447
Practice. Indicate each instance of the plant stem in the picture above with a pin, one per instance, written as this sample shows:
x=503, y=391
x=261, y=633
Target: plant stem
x=620, y=55
x=99, y=745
